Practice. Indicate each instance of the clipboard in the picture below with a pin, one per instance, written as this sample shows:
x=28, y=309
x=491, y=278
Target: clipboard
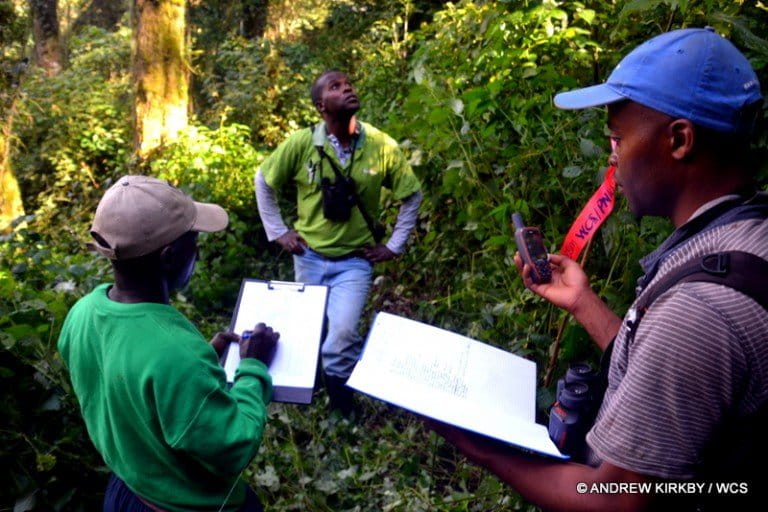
x=297, y=312
x=453, y=379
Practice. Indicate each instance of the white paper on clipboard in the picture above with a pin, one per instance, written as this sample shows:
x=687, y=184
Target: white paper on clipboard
x=297, y=312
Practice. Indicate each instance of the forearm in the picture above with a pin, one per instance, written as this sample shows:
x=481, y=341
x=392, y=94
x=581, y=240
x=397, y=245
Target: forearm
x=269, y=211
x=226, y=430
x=600, y=322
x=553, y=485
x=406, y=221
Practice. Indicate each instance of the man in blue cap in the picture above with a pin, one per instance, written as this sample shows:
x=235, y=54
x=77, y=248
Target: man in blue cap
x=687, y=386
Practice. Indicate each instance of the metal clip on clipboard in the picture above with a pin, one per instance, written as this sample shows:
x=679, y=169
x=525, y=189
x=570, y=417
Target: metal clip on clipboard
x=300, y=287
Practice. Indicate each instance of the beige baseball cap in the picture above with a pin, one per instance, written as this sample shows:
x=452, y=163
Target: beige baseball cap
x=141, y=214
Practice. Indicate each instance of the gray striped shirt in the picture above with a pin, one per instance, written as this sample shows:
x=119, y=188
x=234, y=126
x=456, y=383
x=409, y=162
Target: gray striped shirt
x=700, y=355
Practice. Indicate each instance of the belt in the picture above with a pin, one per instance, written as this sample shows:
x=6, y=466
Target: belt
x=358, y=253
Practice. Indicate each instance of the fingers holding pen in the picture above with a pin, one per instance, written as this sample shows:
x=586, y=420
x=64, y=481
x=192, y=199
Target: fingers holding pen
x=260, y=343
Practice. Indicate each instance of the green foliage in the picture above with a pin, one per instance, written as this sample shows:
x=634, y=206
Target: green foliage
x=488, y=142
x=12, y=25
x=217, y=165
x=466, y=87
x=74, y=129
x=43, y=444
x=252, y=84
x=310, y=461
x=265, y=83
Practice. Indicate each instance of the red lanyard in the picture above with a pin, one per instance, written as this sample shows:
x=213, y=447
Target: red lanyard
x=591, y=217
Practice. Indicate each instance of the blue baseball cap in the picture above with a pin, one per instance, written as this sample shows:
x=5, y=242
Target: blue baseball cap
x=691, y=73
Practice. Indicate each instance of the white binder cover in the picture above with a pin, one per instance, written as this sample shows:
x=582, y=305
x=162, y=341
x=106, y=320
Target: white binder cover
x=297, y=312
x=453, y=379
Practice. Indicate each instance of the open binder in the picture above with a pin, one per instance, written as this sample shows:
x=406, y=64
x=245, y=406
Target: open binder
x=453, y=379
x=297, y=312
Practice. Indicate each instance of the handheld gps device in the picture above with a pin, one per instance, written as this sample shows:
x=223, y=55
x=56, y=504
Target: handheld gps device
x=530, y=245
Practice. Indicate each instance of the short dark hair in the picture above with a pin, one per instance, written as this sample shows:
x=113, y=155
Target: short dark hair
x=316, y=92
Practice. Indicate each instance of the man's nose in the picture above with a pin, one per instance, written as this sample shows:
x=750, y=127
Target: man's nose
x=613, y=160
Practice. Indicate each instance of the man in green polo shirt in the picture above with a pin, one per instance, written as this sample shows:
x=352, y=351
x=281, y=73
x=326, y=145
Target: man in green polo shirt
x=335, y=241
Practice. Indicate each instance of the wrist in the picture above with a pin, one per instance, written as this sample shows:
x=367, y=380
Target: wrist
x=584, y=304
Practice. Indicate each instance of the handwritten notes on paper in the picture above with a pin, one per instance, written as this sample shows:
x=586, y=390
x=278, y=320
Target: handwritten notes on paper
x=452, y=378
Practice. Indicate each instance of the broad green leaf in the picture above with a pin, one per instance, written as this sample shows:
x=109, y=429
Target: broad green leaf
x=588, y=15
x=45, y=462
x=498, y=240
x=589, y=149
x=418, y=73
x=638, y=5
x=572, y=171
x=21, y=331
x=7, y=340
x=457, y=106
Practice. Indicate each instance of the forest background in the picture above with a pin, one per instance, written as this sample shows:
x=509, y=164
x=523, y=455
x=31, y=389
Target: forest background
x=465, y=87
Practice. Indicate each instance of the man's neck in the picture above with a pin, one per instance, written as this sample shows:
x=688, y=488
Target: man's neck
x=343, y=128
x=708, y=188
x=133, y=293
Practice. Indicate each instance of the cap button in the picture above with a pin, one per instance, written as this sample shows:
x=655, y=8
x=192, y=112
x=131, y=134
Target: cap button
x=709, y=28
x=125, y=183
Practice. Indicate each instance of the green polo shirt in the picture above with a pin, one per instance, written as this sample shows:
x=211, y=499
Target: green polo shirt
x=378, y=162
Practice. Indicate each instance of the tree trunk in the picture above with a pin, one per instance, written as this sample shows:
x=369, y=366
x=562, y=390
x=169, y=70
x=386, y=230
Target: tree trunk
x=105, y=14
x=45, y=28
x=254, y=18
x=11, y=205
x=160, y=72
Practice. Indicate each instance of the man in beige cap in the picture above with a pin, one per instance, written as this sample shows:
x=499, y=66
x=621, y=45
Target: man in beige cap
x=151, y=390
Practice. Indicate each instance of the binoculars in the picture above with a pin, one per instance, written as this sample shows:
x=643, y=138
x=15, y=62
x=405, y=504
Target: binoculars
x=578, y=399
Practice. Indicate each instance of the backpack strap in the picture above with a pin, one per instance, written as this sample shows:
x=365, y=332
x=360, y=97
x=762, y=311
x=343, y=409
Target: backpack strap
x=742, y=271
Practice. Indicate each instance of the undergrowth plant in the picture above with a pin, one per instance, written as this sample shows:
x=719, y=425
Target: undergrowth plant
x=465, y=87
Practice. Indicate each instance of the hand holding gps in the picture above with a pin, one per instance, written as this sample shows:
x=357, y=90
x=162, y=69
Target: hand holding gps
x=530, y=245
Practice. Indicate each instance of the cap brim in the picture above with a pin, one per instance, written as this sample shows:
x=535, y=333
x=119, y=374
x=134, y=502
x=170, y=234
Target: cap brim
x=210, y=218
x=594, y=96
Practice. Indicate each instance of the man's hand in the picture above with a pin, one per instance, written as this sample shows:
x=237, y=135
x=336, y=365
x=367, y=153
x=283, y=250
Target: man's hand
x=292, y=242
x=569, y=289
x=569, y=282
x=378, y=253
x=222, y=340
x=477, y=448
x=261, y=344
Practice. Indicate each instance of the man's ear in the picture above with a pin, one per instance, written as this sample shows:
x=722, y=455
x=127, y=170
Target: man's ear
x=320, y=106
x=682, y=138
x=167, y=258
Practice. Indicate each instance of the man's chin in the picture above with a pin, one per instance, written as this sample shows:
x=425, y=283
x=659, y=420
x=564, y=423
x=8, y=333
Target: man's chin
x=352, y=106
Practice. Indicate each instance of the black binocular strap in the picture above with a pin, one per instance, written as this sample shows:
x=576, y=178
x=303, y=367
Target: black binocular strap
x=368, y=220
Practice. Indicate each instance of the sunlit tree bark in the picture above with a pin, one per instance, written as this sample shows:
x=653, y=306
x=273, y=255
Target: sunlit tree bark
x=160, y=72
x=45, y=28
x=11, y=205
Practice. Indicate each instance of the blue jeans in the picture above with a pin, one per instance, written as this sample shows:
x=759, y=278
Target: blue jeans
x=348, y=281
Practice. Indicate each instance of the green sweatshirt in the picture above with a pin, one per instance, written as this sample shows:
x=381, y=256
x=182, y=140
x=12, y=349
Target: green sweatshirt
x=156, y=404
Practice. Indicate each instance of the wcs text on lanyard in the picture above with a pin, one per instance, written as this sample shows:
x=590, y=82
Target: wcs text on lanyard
x=594, y=213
